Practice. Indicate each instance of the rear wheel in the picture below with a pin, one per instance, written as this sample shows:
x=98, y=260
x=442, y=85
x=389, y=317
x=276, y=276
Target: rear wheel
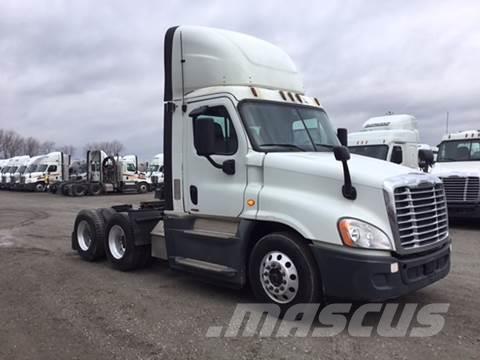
x=89, y=235
x=282, y=270
x=120, y=246
x=79, y=190
x=95, y=189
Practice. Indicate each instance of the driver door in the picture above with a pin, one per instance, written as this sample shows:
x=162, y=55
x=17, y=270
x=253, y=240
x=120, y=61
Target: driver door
x=209, y=190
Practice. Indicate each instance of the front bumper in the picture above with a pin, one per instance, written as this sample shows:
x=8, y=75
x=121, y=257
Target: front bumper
x=464, y=209
x=357, y=275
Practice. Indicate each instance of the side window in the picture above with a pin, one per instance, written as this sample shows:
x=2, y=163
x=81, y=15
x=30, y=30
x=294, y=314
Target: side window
x=397, y=155
x=226, y=142
x=131, y=167
x=52, y=168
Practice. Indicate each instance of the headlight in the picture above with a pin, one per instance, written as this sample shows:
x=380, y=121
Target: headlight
x=359, y=234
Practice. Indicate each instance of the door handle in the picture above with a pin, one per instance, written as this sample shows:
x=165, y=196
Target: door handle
x=194, y=194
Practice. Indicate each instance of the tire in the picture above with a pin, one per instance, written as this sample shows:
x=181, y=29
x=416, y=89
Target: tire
x=79, y=190
x=67, y=190
x=142, y=188
x=95, y=189
x=106, y=214
x=53, y=189
x=120, y=245
x=89, y=235
x=283, y=262
x=39, y=187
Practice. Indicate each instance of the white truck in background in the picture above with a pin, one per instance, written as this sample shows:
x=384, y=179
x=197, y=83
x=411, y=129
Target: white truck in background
x=106, y=174
x=30, y=169
x=458, y=165
x=21, y=167
x=155, y=171
x=8, y=173
x=393, y=138
x=259, y=189
x=49, y=169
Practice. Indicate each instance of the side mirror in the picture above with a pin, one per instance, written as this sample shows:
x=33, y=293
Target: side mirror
x=341, y=153
x=204, y=138
x=426, y=156
x=342, y=135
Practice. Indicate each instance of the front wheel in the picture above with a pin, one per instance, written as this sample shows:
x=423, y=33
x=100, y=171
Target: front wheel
x=282, y=270
x=142, y=188
x=40, y=187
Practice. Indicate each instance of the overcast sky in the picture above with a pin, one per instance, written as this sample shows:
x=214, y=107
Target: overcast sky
x=83, y=71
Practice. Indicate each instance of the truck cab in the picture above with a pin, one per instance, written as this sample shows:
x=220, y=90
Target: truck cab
x=393, y=138
x=15, y=177
x=155, y=171
x=458, y=165
x=6, y=170
x=49, y=169
x=259, y=190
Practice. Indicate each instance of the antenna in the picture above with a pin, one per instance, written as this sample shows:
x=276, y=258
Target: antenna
x=182, y=61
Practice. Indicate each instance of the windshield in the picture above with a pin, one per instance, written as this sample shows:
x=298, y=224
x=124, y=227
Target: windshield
x=22, y=169
x=275, y=127
x=459, y=150
x=153, y=168
x=42, y=168
x=373, y=151
x=31, y=168
x=13, y=169
x=6, y=169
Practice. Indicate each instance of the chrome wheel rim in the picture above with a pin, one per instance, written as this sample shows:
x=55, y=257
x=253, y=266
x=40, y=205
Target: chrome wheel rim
x=39, y=187
x=84, y=235
x=279, y=277
x=117, y=242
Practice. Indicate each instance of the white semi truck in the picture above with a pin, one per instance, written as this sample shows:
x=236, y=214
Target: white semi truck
x=393, y=138
x=21, y=167
x=8, y=175
x=106, y=174
x=259, y=189
x=155, y=172
x=49, y=169
x=458, y=165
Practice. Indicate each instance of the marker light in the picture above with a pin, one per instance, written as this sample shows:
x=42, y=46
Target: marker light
x=359, y=234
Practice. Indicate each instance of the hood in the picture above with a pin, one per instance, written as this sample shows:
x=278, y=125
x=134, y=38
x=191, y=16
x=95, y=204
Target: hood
x=364, y=170
x=458, y=168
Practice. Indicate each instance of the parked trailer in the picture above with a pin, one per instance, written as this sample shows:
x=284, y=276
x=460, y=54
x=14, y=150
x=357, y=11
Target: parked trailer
x=458, y=165
x=258, y=188
x=106, y=174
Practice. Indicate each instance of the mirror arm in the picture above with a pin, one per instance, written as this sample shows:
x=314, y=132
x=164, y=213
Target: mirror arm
x=348, y=191
x=215, y=164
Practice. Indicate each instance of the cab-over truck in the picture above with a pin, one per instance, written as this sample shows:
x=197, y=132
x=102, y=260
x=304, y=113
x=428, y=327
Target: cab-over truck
x=259, y=189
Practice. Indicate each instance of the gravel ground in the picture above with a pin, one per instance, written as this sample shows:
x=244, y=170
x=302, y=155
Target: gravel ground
x=55, y=306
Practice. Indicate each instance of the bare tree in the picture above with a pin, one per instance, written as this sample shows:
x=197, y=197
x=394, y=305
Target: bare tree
x=114, y=147
x=11, y=143
x=31, y=146
x=47, y=146
x=67, y=149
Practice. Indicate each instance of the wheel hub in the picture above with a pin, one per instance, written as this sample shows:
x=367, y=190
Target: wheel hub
x=279, y=277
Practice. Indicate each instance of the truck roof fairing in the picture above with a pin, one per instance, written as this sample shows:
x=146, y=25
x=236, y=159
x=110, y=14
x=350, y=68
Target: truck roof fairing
x=200, y=57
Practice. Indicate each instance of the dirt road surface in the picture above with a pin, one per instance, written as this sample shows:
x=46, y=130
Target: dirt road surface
x=53, y=305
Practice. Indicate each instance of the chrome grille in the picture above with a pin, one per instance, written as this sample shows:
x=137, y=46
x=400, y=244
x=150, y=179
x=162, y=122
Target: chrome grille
x=462, y=189
x=421, y=214
x=4, y=179
x=22, y=180
x=154, y=179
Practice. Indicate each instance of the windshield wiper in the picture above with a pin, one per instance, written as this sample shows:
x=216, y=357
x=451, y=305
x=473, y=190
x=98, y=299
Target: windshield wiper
x=326, y=145
x=285, y=145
